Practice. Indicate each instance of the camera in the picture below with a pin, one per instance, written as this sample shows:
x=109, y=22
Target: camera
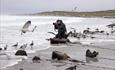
x=55, y=25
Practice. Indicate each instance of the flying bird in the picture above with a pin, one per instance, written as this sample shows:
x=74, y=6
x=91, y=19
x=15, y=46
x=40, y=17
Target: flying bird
x=5, y=48
x=31, y=44
x=25, y=27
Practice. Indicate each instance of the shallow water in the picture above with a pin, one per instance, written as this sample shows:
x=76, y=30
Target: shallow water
x=11, y=26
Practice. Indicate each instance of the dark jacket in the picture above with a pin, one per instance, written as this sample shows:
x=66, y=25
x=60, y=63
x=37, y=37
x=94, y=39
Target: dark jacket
x=61, y=31
x=62, y=28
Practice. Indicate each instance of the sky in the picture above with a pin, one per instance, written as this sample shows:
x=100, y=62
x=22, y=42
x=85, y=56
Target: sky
x=35, y=6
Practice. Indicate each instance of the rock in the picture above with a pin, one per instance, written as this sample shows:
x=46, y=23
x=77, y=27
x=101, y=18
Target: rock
x=102, y=31
x=59, y=55
x=21, y=69
x=95, y=53
x=90, y=54
x=36, y=59
x=107, y=33
x=0, y=49
x=71, y=68
x=57, y=41
x=21, y=53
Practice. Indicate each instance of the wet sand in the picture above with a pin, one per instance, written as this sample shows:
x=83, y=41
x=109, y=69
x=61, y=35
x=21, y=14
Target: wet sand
x=105, y=60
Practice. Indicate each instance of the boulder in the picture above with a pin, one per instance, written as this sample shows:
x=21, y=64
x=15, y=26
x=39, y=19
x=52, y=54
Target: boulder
x=0, y=48
x=36, y=59
x=90, y=54
x=21, y=53
x=59, y=55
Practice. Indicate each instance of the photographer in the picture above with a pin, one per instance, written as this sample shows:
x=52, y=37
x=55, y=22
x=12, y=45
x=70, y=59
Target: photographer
x=60, y=26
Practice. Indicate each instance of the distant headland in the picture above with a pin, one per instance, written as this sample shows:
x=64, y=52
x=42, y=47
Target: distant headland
x=107, y=13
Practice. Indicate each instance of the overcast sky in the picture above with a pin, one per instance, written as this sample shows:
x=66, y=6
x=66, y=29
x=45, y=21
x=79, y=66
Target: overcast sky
x=34, y=6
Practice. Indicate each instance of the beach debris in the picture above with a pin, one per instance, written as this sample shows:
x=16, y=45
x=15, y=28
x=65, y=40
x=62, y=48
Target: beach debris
x=59, y=55
x=21, y=53
x=71, y=68
x=25, y=27
x=15, y=45
x=36, y=59
x=91, y=54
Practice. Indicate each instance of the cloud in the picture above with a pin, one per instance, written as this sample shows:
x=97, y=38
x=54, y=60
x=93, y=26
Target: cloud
x=31, y=6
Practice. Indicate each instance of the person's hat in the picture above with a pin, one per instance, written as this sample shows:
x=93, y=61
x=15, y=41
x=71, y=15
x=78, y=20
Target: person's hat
x=59, y=21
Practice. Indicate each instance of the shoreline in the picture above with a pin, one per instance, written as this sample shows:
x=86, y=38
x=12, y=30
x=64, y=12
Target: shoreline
x=106, y=17
x=102, y=14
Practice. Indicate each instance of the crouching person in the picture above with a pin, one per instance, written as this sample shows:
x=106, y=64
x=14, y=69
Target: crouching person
x=60, y=26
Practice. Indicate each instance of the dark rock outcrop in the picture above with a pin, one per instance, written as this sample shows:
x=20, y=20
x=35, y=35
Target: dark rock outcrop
x=59, y=55
x=21, y=53
x=36, y=59
x=0, y=48
x=90, y=54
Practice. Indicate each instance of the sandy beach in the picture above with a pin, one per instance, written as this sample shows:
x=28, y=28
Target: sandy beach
x=10, y=35
x=75, y=51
